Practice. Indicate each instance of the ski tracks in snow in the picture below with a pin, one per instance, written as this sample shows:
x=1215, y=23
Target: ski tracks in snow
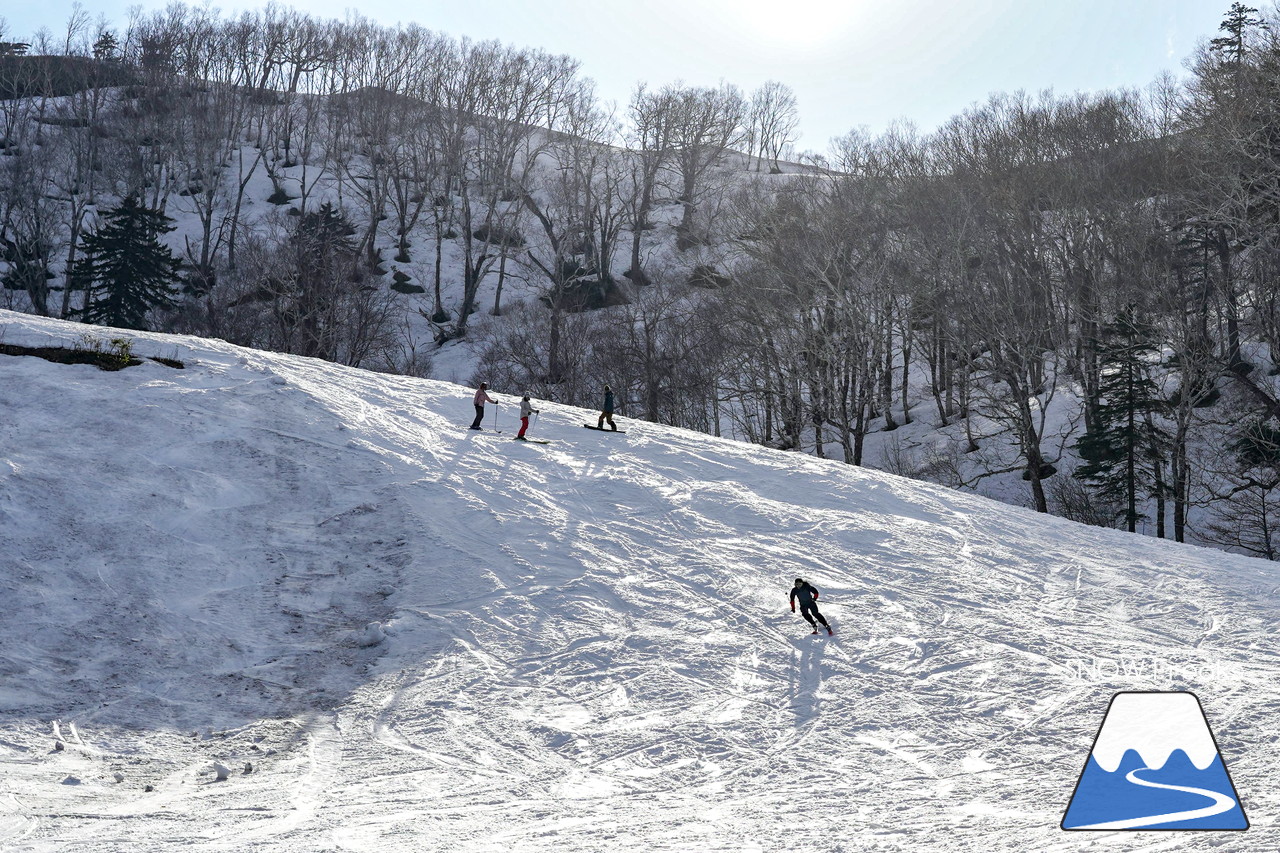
x=588, y=643
x=17, y=822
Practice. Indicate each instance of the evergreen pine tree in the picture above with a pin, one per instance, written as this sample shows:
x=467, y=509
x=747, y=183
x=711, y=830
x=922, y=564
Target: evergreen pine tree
x=1123, y=444
x=1257, y=448
x=107, y=47
x=1247, y=515
x=1238, y=23
x=126, y=268
x=324, y=277
x=29, y=271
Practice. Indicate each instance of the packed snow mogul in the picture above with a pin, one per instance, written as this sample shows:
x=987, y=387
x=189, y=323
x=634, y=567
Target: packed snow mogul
x=808, y=595
x=526, y=409
x=482, y=397
x=607, y=413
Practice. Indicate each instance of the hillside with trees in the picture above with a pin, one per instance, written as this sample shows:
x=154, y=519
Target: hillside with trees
x=1062, y=300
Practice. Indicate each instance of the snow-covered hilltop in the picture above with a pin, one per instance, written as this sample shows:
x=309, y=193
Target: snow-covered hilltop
x=1061, y=301
x=587, y=643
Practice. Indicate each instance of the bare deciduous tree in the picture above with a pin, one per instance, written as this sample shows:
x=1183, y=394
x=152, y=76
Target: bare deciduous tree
x=773, y=119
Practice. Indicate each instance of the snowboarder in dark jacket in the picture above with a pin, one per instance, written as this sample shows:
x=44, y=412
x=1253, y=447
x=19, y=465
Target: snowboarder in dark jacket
x=607, y=413
x=807, y=593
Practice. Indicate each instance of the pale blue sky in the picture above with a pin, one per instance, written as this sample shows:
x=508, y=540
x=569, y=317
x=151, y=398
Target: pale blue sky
x=850, y=62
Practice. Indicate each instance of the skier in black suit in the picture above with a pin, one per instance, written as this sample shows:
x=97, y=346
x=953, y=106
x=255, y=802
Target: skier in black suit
x=808, y=595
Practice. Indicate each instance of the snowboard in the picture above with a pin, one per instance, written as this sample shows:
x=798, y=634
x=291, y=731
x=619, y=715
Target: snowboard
x=532, y=440
x=598, y=429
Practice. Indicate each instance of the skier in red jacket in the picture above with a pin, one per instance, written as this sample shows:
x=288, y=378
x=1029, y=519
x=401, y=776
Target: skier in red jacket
x=808, y=595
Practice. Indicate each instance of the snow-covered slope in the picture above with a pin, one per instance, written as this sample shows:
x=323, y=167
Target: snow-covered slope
x=588, y=645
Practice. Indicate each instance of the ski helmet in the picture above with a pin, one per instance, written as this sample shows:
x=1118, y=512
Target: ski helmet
x=799, y=581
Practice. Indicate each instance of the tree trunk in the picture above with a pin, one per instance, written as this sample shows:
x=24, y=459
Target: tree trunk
x=1160, y=499
x=439, y=306
x=906, y=376
x=502, y=275
x=886, y=392
x=1130, y=462
x=67, y=279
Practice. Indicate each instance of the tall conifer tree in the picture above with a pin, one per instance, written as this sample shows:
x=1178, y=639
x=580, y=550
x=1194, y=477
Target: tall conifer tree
x=125, y=267
x=1123, y=444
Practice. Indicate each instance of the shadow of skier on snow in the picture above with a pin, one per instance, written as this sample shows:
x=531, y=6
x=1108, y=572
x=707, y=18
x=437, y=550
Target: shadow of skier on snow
x=805, y=679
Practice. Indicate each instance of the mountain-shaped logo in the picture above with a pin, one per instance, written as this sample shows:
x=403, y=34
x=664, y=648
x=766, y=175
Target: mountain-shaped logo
x=1155, y=765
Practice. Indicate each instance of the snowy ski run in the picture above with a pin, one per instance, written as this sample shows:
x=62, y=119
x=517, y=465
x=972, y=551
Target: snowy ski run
x=387, y=636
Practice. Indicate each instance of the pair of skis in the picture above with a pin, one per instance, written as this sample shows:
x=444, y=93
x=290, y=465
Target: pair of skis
x=599, y=429
x=588, y=426
x=544, y=441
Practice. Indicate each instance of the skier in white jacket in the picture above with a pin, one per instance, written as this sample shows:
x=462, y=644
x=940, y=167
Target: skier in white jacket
x=526, y=409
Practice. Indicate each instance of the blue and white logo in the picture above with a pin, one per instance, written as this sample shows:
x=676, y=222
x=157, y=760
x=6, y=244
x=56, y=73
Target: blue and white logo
x=1155, y=765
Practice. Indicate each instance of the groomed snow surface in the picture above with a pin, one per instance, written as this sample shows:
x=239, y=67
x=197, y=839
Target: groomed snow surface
x=578, y=646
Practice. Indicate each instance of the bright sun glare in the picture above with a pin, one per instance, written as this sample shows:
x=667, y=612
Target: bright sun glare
x=792, y=23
